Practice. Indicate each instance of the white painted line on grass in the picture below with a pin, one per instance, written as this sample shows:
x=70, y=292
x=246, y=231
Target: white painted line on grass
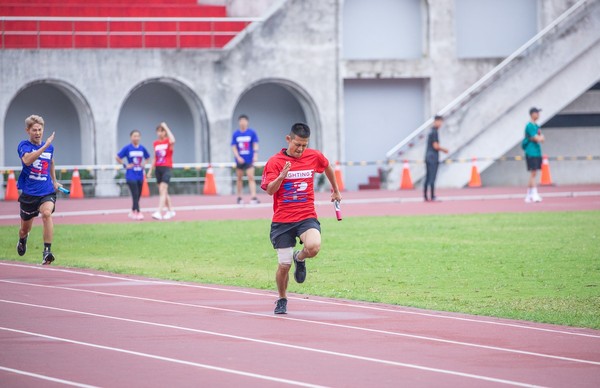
x=321, y=323
x=161, y=358
x=327, y=302
x=46, y=378
x=272, y=343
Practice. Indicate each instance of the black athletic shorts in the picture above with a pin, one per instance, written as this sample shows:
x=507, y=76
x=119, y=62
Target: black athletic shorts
x=163, y=174
x=30, y=204
x=283, y=235
x=533, y=163
x=243, y=166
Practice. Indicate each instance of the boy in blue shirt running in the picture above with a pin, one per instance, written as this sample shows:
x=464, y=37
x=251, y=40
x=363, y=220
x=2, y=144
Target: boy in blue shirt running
x=38, y=185
x=137, y=156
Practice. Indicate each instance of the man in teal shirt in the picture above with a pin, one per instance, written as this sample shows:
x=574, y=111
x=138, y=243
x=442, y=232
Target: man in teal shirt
x=533, y=153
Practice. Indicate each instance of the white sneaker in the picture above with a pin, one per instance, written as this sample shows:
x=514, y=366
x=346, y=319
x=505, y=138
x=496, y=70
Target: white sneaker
x=157, y=216
x=536, y=198
x=168, y=215
x=528, y=199
x=132, y=215
x=139, y=216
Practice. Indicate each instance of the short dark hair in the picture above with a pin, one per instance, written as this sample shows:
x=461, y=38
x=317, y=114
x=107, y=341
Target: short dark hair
x=301, y=130
x=134, y=131
x=243, y=117
x=438, y=117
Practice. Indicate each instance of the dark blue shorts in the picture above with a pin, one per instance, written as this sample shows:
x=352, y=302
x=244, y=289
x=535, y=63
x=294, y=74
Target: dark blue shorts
x=283, y=235
x=30, y=204
x=533, y=163
x=243, y=166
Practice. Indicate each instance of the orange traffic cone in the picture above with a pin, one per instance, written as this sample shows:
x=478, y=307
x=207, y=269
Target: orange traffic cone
x=210, y=188
x=475, y=177
x=145, y=188
x=546, y=178
x=338, y=176
x=12, y=194
x=76, y=189
x=406, y=183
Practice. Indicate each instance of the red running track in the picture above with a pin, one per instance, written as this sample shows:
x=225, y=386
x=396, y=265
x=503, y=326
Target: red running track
x=61, y=326
x=362, y=203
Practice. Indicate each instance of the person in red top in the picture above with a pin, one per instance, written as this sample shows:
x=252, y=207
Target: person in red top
x=162, y=163
x=289, y=177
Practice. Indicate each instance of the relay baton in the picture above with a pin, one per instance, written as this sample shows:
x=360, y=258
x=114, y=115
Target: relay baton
x=66, y=191
x=338, y=210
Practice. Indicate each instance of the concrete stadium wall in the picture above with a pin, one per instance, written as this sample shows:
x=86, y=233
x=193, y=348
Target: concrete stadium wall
x=559, y=142
x=566, y=142
x=297, y=49
x=374, y=111
x=301, y=55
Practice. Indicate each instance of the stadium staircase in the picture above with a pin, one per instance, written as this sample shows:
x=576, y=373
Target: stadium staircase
x=550, y=71
x=96, y=34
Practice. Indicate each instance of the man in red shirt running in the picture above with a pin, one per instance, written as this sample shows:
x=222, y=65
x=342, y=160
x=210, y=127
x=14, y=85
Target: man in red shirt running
x=289, y=177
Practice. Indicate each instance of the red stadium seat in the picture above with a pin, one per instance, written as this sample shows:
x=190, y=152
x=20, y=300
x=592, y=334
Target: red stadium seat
x=153, y=34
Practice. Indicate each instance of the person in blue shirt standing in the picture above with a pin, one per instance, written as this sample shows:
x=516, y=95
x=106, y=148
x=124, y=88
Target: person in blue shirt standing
x=245, y=149
x=38, y=185
x=137, y=156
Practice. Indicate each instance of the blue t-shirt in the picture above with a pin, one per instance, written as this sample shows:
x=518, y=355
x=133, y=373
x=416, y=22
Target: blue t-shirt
x=134, y=155
x=245, y=144
x=35, y=179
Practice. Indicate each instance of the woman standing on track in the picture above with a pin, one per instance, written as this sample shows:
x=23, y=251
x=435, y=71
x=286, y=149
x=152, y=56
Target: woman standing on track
x=163, y=164
x=137, y=156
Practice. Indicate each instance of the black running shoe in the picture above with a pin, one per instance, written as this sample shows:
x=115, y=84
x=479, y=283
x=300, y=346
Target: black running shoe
x=48, y=258
x=240, y=201
x=281, y=307
x=22, y=246
x=300, y=271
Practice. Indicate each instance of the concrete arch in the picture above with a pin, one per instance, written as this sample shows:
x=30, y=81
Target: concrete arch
x=273, y=105
x=166, y=99
x=65, y=110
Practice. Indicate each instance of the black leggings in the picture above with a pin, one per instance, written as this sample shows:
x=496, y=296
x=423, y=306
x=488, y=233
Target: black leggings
x=136, y=192
x=432, y=167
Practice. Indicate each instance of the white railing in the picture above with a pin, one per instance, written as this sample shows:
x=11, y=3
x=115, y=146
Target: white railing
x=113, y=27
x=486, y=80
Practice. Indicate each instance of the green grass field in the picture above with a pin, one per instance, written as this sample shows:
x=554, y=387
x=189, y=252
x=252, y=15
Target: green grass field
x=542, y=267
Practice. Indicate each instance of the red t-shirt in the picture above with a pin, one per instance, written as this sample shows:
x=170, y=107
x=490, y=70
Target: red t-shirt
x=163, y=152
x=295, y=199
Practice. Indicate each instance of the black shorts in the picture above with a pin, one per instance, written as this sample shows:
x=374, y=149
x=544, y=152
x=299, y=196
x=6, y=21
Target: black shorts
x=283, y=235
x=533, y=163
x=30, y=205
x=243, y=166
x=163, y=174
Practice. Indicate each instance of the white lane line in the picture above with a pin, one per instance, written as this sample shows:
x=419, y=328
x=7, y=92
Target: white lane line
x=162, y=358
x=439, y=315
x=483, y=197
x=47, y=378
x=321, y=323
x=279, y=344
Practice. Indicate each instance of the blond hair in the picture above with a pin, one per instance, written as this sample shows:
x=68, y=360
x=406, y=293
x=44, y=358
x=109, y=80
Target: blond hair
x=33, y=119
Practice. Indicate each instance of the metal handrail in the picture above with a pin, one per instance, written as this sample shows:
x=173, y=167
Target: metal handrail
x=481, y=83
